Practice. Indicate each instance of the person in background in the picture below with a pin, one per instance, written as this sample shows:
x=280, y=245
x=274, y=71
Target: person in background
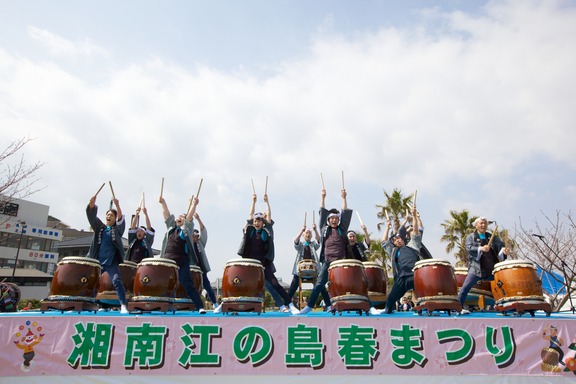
x=306, y=250
x=140, y=239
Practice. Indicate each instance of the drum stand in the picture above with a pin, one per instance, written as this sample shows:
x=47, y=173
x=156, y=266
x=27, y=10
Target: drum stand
x=151, y=304
x=234, y=306
x=520, y=308
x=72, y=304
x=355, y=303
x=438, y=303
x=303, y=280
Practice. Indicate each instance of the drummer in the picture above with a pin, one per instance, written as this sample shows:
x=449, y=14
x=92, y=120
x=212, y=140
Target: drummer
x=199, y=240
x=258, y=243
x=177, y=246
x=335, y=245
x=481, y=257
x=306, y=250
x=405, y=253
x=106, y=246
x=140, y=239
x=359, y=250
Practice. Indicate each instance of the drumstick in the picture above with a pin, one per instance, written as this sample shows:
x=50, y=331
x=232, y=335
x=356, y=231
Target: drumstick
x=142, y=201
x=112, y=189
x=199, y=186
x=253, y=189
x=266, y=186
x=305, y=213
x=190, y=204
x=493, y=235
x=162, y=188
x=359, y=219
x=414, y=200
x=322, y=178
x=386, y=213
x=102, y=186
x=343, y=181
x=313, y=220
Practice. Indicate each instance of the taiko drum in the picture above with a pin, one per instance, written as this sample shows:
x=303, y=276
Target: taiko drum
x=347, y=278
x=243, y=278
x=434, y=278
x=376, y=277
x=155, y=278
x=77, y=278
x=516, y=280
x=307, y=269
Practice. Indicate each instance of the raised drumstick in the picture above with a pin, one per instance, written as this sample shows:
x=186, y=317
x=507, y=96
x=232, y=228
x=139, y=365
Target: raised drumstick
x=102, y=186
x=112, y=189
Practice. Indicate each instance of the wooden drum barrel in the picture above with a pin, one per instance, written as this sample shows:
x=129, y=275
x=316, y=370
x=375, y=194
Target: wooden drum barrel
x=156, y=280
x=516, y=281
x=435, y=282
x=243, y=280
x=76, y=278
x=377, y=283
x=347, y=281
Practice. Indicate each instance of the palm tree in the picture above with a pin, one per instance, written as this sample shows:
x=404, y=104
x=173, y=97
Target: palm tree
x=456, y=229
x=396, y=206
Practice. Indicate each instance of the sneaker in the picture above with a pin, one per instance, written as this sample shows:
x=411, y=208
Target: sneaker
x=218, y=309
x=123, y=309
x=202, y=311
x=374, y=311
x=464, y=312
x=284, y=309
x=293, y=309
x=305, y=310
x=329, y=308
x=214, y=305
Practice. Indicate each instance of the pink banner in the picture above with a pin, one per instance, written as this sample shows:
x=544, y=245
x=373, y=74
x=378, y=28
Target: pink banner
x=45, y=345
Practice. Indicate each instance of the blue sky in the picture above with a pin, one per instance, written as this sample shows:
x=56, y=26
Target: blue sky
x=468, y=102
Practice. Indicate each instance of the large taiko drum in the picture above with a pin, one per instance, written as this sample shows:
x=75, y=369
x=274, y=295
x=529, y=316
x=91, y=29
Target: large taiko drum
x=376, y=276
x=307, y=269
x=156, y=280
x=196, y=275
x=347, y=281
x=243, y=280
x=516, y=281
x=482, y=288
x=434, y=281
x=77, y=278
x=9, y=297
x=107, y=292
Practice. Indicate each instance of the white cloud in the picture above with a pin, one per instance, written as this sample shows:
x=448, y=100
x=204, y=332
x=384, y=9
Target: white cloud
x=59, y=46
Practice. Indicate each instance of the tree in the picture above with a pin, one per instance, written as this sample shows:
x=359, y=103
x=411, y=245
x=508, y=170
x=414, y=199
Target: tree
x=17, y=178
x=396, y=207
x=552, y=246
x=456, y=229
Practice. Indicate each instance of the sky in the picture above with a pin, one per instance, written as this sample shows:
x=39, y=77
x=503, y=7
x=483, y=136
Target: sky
x=469, y=103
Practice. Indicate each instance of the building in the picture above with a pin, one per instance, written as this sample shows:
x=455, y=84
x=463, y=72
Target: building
x=26, y=247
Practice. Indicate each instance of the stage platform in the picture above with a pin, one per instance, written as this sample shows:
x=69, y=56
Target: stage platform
x=108, y=347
